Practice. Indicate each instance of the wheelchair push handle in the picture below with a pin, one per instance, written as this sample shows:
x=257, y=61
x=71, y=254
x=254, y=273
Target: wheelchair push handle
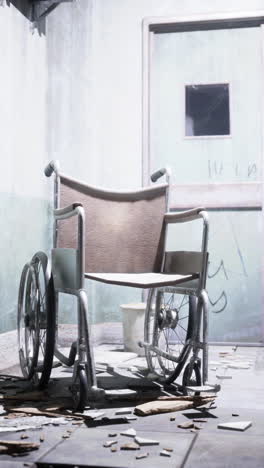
x=156, y=175
x=161, y=172
x=53, y=166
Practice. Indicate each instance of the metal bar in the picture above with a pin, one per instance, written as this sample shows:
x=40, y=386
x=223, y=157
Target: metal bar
x=91, y=372
x=204, y=299
x=207, y=22
x=67, y=212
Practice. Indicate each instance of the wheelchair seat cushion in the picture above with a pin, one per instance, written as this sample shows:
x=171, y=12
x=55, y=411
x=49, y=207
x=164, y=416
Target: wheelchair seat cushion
x=141, y=280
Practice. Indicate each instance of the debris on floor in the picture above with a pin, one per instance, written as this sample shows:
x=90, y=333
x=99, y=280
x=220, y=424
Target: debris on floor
x=12, y=447
x=109, y=443
x=189, y=425
x=235, y=426
x=130, y=433
x=130, y=446
x=171, y=404
x=122, y=411
x=223, y=376
x=142, y=441
x=165, y=453
x=142, y=455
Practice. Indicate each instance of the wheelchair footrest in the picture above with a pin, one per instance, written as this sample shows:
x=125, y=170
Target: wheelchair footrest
x=204, y=388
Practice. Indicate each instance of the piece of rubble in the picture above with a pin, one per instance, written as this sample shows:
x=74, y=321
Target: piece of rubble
x=93, y=414
x=186, y=425
x=119, y=393
x=237, y=365
x=130, y=433
x=130, y=446
x=123, y=411
x=223, y=376
x=235, y=414
x=3, y=449
x=142, y=441
x=114, y=449
x=112, y=434
x=213, y=368
x=235, y=426
x=18, y=446
x=142, y=455
x=16, y=428
x=172, y=418
x=131, y=418
x=167, y=449
x=24, y=436
x=200, y=420
x=41, y=438
x=109, y=443
x=165, y=453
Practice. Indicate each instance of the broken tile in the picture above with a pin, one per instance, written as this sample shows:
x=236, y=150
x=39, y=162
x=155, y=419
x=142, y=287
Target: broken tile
x=123, y=411
x=93, y=414
x=142, y=455
x=235, y=426
x=109, y=443
x=120, y=392
x=142, y=441
x=165, y=453
x=130, y=433
x=239, y=365
x=130, y=446
x=222, y=376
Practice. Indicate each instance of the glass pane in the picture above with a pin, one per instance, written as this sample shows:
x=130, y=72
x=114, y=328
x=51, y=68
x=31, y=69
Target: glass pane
x=207, y=110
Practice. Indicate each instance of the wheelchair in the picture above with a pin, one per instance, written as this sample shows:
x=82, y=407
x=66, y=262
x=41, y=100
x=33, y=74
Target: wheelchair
x=117, y=238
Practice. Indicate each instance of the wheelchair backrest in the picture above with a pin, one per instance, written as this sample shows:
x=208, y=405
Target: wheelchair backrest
x=125, y=231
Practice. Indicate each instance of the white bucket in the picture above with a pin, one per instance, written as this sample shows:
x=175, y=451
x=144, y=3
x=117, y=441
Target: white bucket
x=133, y=326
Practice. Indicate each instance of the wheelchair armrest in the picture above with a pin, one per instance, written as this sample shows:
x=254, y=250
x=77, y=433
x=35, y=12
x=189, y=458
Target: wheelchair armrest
x=184, y=216
x=68, y=211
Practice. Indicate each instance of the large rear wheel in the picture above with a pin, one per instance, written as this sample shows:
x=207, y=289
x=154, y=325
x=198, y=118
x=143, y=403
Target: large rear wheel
x=36, y=320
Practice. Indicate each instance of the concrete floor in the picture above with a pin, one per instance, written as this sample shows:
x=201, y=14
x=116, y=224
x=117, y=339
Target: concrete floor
x=209, y=447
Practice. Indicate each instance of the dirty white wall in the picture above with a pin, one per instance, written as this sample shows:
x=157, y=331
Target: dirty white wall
x=23, y=193
x=72, y=94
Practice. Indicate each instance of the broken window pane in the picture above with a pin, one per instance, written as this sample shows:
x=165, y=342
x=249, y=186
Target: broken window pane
x=207, y=110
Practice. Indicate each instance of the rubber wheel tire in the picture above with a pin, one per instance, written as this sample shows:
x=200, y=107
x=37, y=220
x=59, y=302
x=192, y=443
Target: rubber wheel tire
x=24, y=317
x=186, y=347
x=50, y=310
x=80, y=390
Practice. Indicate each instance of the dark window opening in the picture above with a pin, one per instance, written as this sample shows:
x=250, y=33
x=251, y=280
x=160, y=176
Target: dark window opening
x=207, y=110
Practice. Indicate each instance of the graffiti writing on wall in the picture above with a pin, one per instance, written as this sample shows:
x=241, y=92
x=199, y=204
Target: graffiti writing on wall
x=218, y=168
x=220, y=303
